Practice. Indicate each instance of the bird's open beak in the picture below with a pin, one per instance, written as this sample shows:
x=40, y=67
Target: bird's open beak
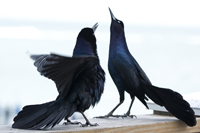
x=111, y=14
x=95, y=27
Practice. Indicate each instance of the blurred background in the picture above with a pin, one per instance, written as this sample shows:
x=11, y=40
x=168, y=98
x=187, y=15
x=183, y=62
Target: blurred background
x=163, y=36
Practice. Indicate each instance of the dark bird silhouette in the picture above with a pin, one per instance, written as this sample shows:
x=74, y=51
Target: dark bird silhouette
x=79, y=81
x=128, y=76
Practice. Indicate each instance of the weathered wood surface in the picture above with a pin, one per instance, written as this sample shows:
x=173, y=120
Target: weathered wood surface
x=143, y=123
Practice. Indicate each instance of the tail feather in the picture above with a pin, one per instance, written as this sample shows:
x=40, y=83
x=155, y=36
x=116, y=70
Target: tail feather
x=43, y=116
x=56, y=121
x=173, y=102
x=30, y=109
x=27, y=118
x=47, y=121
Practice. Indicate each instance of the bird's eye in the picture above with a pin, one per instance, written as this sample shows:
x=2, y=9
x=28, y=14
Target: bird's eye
x=118, y=21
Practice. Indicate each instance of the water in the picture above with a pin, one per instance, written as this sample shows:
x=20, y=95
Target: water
x=168, y=55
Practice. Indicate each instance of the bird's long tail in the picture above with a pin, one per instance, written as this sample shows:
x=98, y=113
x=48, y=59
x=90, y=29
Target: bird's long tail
x=173, y=102
x=42, y=116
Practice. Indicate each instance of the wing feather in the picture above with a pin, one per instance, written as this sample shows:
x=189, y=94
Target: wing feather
x=63, y=70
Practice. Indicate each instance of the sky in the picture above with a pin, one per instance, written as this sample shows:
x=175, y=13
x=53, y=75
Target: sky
x=168, y=12
x=177, y=13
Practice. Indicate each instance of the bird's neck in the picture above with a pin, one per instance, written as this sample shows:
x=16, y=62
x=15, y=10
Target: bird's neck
x=84, y=47
x=118, y=41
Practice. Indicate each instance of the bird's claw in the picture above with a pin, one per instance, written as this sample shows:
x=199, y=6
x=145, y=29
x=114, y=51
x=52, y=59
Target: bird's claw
x=105, y=116
x=133, y=116
x=117, y=116
x=101, y=116
x=86, y=124
x=124, y=116
x=72, y=123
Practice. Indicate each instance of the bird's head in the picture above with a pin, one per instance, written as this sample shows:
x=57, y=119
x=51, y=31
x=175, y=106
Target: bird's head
x=86, y=42
x=88, y=34
x=116, y=24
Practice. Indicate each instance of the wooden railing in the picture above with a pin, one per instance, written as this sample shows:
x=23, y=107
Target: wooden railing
x=141, y=124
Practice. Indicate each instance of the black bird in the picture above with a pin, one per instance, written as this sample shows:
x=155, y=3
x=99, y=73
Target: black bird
x=128, y=76
x=79, y=81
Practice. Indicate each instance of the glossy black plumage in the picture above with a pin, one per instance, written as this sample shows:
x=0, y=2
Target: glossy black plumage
x=128, y=76
x=79, y=81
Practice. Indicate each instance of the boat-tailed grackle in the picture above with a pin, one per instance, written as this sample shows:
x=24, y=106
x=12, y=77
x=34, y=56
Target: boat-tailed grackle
x=129, y=77
x=79, y=80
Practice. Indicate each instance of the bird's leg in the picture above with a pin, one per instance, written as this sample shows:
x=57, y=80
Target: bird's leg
x=129, y=110
x=87, y=122
x=70, y=122
x=111, y=112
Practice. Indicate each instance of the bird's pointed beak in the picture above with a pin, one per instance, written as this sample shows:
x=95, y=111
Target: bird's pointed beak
x=95, y=27
x=111, y=14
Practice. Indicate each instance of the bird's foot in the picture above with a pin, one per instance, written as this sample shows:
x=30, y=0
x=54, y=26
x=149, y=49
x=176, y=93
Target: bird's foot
x=125, y=115
x=71, y=123
x=105, y=116
x=117, y=116
x=88, y=123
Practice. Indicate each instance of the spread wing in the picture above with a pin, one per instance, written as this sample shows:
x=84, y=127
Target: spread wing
x=131, y=75
x=62, y=70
